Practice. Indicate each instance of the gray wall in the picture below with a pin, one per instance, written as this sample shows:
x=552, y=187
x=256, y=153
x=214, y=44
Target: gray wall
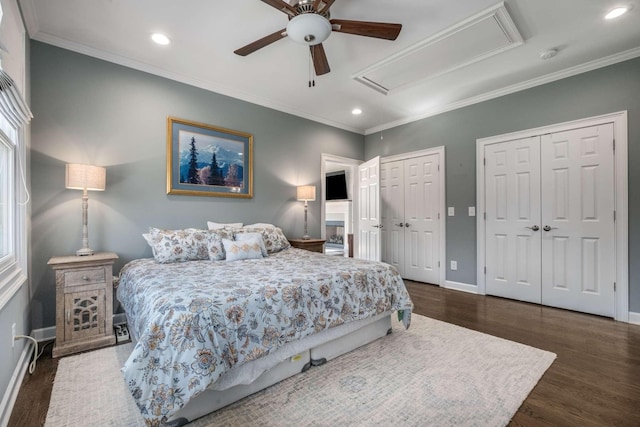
x=606, y=90
x=91, y=111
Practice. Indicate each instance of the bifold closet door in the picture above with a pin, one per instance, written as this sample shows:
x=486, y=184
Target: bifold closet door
x=410, y=195
x=512, y=204
x=392, y=213
x=421, y=228
x=550, y=229
x=369, y=222
x=578, y=229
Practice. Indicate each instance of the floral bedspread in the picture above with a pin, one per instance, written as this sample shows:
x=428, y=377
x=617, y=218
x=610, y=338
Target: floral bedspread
x=196, y=320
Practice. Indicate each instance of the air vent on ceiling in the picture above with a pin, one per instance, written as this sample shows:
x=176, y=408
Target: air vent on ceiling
x=476, y=38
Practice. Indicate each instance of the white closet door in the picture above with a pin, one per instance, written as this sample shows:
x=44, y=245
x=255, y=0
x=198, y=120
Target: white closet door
x=421, y=207
x=392, y=213
x=578, y=251
x=512, y=204
x=369, y=210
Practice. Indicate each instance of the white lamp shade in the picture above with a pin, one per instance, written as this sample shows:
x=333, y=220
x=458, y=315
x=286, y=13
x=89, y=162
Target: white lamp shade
x=306, y=193
x=80, y=177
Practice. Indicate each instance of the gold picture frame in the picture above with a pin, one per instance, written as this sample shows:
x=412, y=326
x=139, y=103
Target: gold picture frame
x=206, y=160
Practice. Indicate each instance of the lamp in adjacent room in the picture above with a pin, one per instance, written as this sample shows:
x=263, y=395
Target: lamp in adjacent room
x=85, y=178
x=306, y=193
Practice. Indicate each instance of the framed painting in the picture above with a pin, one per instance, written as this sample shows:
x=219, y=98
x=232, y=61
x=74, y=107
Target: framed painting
x=205, y=160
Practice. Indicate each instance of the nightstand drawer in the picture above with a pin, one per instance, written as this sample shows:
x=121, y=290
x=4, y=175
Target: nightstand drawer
x=87, y=276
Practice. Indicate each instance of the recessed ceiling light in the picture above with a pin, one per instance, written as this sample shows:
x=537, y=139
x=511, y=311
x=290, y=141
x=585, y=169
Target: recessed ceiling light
x=356, y=111
x=616, y=12
x=160, y=39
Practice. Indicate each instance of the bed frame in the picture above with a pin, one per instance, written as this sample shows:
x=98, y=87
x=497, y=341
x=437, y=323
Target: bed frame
x=294, y=358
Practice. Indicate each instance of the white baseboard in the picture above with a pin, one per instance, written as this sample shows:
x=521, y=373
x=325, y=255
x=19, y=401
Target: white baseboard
x=11, y=393
x=458, y=286
x=48, y=334
x=634, y=318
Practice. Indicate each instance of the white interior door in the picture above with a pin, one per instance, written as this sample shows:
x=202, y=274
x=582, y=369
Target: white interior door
x=369, y=210
x=578, y=243
x=421, y=215
x=392, y=213
x=513, y=230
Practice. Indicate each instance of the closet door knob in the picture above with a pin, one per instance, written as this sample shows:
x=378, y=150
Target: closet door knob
x=400, y=225
x=406, y=224
x=547, y=228
x=534, y=228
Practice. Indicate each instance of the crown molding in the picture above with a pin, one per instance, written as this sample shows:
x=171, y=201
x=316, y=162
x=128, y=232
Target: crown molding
x=29, y=16
x=161, y=72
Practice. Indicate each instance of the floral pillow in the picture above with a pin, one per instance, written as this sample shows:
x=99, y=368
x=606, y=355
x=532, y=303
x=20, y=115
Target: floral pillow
x=216, y=250
x=178, y=245
x=218, y=225
x=244, y=249
x=274, y=238
x=250, y=237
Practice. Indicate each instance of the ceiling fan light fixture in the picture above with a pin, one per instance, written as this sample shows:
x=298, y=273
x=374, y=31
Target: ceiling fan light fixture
x=309, y=28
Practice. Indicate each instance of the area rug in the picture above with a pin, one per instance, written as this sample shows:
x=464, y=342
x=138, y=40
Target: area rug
x=434, y=374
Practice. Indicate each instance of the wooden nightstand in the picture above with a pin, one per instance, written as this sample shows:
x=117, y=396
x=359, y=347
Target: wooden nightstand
x=84, y=302
x=313, y=245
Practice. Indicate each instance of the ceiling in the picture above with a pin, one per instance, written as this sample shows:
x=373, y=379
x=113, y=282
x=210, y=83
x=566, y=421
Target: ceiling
x=205, y=33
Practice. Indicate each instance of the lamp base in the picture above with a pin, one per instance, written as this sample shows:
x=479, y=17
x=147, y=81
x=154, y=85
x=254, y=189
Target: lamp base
x=84, y=252
x=306, y=237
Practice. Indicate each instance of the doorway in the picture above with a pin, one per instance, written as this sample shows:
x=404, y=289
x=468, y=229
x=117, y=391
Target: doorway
x=337, y=219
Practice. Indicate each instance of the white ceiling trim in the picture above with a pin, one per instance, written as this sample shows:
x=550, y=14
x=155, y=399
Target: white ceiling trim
x=147, y=68
x=29, y=16
x=390, y=74
x=569, y=72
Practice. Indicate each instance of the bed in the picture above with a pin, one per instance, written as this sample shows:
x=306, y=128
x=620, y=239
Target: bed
x=208, y=333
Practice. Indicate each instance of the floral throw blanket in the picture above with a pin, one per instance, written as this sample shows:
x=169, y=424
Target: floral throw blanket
x=196, y=320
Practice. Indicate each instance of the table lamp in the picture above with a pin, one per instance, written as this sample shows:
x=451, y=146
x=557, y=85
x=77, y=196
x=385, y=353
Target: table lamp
x=85, y=178
x=306, y=193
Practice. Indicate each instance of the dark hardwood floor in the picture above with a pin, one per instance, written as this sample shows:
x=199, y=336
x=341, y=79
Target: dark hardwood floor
x=595, y=381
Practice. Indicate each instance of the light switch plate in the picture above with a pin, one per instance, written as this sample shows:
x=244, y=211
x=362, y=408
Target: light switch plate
x=454, y=265
x=472, y=211
x=451, y=211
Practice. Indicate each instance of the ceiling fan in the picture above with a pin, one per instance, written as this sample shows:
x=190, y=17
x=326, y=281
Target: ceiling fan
x=310, y=23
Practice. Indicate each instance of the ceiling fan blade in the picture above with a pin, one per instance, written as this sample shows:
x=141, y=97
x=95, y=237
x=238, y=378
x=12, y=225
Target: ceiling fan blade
x=320, y=62
x=327, y=5
x=316, y=4
x=380, y=30
x=282, y=6
x=259, y=44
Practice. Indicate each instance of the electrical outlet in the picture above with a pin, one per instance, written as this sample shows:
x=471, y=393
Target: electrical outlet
x=454, y=265
x=13, y=335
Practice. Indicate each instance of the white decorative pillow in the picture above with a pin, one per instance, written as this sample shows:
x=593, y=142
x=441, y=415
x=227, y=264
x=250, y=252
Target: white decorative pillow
x=253, y=238
x=238, y=250
x=218, y=225
x=274, y=238
x=178, y=245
